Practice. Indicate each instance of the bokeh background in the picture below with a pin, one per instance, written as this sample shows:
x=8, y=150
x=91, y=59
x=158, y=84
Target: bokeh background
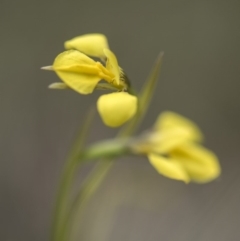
x=199, y=79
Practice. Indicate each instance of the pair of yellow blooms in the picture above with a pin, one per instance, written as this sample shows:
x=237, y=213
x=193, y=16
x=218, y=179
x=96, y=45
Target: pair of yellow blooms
x=82, y=74
x=173, y=147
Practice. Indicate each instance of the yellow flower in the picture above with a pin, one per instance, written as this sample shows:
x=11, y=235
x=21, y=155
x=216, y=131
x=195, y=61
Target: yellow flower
x=175, y=151
x=83, y=74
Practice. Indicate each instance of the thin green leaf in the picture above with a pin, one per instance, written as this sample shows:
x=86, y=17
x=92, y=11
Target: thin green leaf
x=144, y=97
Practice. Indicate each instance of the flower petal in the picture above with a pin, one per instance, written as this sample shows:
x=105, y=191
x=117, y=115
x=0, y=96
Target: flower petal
x=90, y=44
x=77, y=70
x=117, y=108
x=112, y=65
x=71, y=58
x=168, y=168
x=169, y=120
x=166, y=140
x=201, y=164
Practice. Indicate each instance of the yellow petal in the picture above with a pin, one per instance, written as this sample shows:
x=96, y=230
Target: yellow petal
x=201, y=164
x=168, y=168
x=112, y=65
x=168, y=120
x=90, y=44
x=117, y=108
x=77, y=71
x=71, y=58
x=166, y=140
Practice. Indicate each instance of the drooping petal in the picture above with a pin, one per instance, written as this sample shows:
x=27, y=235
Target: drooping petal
x=168, y=168
x=201, y=164
x=77, y=70
x=90, y=44
x=169, y=120
x=117, y=108
x=112, y=65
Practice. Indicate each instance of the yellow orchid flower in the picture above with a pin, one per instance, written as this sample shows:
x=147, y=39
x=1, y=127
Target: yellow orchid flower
x=83, y=74
x=174, y=150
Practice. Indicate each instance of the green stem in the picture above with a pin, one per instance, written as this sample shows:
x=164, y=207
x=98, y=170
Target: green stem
x=62, y=198
x=61, y=206
x=89, y=187
x=106, y=149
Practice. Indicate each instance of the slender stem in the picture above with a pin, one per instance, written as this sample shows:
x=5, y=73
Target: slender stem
x=107, y=149
x=62, y=198
x=89, y=187
x=61, y=206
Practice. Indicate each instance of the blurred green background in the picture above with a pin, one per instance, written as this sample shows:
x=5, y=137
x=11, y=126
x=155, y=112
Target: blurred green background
x=199, y=79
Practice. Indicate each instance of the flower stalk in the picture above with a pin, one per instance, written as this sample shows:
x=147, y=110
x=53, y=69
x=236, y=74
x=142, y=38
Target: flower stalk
x=108, y=149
